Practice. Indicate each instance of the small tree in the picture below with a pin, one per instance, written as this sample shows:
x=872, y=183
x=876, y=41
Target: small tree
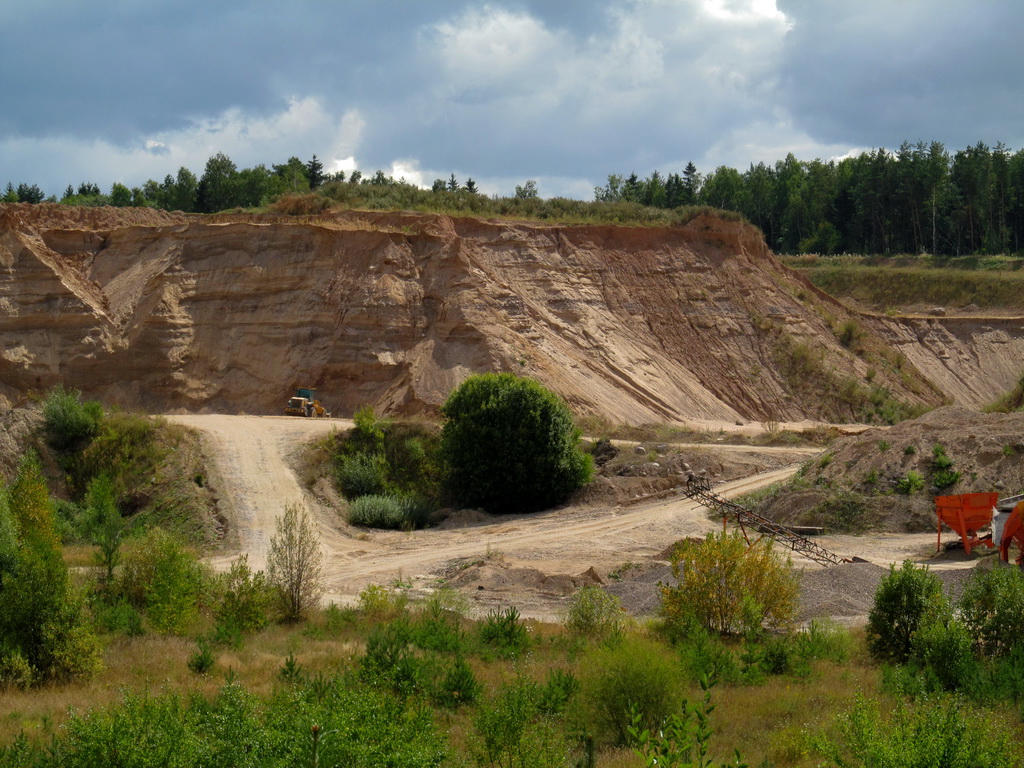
x=902, y=600
x=510, y=445
x=295, y=562
x=728, y=587
x=104, y=524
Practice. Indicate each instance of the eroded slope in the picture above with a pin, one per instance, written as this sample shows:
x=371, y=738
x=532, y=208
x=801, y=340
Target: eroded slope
x=228, y=313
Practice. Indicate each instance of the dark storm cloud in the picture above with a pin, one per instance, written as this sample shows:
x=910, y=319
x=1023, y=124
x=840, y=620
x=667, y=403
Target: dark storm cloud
x=877, y=73
x=505, y=90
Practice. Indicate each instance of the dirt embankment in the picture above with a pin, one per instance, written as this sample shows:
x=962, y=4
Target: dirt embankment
x=228, y=313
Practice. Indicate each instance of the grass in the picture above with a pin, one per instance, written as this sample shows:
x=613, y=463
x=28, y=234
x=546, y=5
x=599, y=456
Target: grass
x=769, y=721
x=867, y=282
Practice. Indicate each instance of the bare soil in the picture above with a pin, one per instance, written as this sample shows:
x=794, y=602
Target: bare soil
x=618, y=538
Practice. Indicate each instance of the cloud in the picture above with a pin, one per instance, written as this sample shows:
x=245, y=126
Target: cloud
x=303, y=127
x=878, y=73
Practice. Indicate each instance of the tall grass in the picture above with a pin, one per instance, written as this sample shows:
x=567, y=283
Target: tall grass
x=882, y=287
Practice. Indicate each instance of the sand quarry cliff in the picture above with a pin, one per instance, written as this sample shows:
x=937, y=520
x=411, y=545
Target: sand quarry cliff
x=167, y=311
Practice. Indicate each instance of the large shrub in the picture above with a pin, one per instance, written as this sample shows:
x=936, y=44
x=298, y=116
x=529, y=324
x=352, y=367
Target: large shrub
x=159, y=575
x=67, y=421
x=727, y=586
x=635, y=673
x=902, y=600
x=993, y=610
x=510, y=445
x=42, y=628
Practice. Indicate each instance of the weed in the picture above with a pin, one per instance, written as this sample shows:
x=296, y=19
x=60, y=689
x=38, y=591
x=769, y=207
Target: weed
x=884, y=445
x=911, y=484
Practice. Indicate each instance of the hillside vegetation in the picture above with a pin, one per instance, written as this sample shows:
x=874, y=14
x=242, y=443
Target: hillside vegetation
x=901, y=283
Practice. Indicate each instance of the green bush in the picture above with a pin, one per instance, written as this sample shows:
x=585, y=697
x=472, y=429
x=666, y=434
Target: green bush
x=901, y=602
x=593, y=612
x=67, y=421
x=458, y=685
x=504, y=633
x=941, y=732
x=202, y=659
x=362, y=475
x=394, y=512
x=729, y=587
x=511, y=731
x=636, y=672
x=943, y=646
x=992, y=607
x=510, y=445
x=41, y=618
x=377, y=602
x=245, y=598
x=161, y=577
x=911, y=484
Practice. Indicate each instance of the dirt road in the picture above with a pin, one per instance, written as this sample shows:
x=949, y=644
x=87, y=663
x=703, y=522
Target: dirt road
x=537, y=555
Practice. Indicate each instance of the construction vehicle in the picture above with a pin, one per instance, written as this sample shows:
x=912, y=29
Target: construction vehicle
x=304, y=403
x=968, y=514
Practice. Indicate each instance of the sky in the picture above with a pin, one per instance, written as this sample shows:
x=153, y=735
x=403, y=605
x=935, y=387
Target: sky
x=564, y=92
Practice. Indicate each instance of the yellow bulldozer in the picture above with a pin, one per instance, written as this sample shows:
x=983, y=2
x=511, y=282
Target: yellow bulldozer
x=304, y=403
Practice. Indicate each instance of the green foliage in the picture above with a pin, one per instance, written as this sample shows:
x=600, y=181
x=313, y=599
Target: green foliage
x=943, y=475
x=67, y=421
x=161, y=577
x=940, y=732
x=236, y=729
x=127, y=448
x=512, y=732
x=503, y=632
x=458, y=686
x=911, y=484
x=391, y=660
x=202, y=659
x=396, y=464
x=295, y=563
x=728, y=587
x=1009, y=402
x=992, y=607
x=377, y=602
x=635, y=673
x=943, y=647
x=395, y=512
x=510, y=445
x=362, y=475
x=901, y=602
x=680, y=738
x=119, y=617
x=15, y=670
x=557, y=691
x=103, y=524
x=593, y=612
x=245, y=598
x=41, y=619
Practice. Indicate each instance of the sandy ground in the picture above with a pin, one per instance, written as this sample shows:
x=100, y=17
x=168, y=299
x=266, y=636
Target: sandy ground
x=533, y=562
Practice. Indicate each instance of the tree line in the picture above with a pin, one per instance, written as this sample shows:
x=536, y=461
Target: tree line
x=917, y=199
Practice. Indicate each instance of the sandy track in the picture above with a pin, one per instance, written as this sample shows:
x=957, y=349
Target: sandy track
x=251, y=473
x=254, y=482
